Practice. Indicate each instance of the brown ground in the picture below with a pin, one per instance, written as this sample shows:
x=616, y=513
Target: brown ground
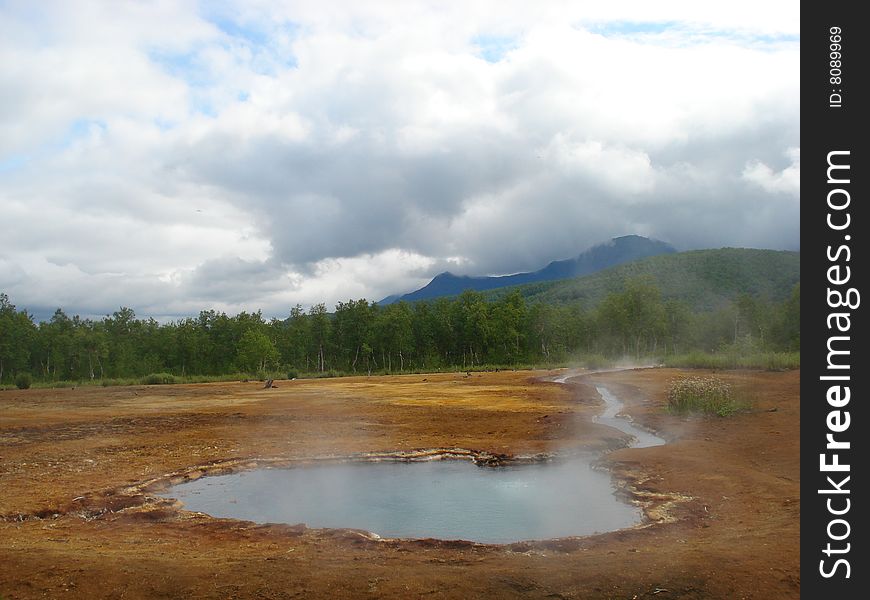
x=722, y=496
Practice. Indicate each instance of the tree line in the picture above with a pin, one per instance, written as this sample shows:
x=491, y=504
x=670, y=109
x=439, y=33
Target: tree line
x=465, y=332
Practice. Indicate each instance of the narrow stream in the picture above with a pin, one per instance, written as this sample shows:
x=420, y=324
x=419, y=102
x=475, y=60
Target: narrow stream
x=610, y=417
x=641, y=438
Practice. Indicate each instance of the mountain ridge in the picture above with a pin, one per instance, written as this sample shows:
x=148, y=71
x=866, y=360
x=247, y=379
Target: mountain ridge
x=703, y=279
x=618, y=250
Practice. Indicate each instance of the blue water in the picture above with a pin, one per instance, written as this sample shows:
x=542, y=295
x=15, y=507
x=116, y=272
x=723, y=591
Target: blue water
x=449, y=499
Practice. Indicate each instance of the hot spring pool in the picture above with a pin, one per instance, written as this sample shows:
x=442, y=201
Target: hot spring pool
x=445, y=499
x=449, y=499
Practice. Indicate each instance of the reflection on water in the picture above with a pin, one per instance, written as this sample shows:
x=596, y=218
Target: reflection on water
x=439, y=499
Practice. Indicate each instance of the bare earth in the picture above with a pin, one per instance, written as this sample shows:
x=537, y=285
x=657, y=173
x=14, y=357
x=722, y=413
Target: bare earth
x=77, y=519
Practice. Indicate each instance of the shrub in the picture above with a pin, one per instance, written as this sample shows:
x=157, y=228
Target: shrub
x=594, y=361
x=292, y=375
x=23, y=381
x=709, y=395
x=158, y=379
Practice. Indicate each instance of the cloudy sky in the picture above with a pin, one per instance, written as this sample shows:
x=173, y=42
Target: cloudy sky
x=173, y=156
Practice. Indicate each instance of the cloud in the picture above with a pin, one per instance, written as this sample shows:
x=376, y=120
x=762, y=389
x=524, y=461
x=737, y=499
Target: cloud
x=180, y=156
x=787, y=181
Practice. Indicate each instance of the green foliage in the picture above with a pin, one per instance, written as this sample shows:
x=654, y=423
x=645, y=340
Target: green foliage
x=256, y=351
x=17, y=333
x=158, y=379
x=320, y=330
x=594, y=361
x=23, y=381
x=119, y=381
x=327, y=374
x=633, y=316
x=702, y=279
x=771, y=361
x=708, y=395
x=634, y=320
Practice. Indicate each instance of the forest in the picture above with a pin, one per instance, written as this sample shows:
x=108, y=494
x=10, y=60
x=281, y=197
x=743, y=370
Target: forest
x=360, y=337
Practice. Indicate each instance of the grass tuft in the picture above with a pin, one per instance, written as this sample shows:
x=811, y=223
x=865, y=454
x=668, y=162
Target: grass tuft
x=158, y=379
x=708, y=395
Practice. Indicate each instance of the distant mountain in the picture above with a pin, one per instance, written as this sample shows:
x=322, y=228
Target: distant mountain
x=704, y=279
x=615, y=252
x=390, y=299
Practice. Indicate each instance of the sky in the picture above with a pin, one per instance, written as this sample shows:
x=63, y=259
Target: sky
x=174, y=156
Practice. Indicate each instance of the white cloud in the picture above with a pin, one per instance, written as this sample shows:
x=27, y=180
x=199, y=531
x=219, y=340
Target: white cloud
x=787, y=181
x=173, y=153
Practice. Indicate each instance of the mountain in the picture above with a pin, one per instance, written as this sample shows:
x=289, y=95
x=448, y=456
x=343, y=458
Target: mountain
x=704, y=279
x=390, y=299
x=615, y=252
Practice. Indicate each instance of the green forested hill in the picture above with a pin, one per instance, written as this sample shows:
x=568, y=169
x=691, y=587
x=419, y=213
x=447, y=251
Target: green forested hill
x=704, y=279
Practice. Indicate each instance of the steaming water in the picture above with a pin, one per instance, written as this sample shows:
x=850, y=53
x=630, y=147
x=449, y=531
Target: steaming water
x=642, y=437
x=450, y=499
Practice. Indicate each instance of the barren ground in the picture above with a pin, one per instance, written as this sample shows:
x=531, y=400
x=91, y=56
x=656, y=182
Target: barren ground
x=77, y=521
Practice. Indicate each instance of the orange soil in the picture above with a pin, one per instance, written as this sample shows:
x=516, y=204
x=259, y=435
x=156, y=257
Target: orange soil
x=76, y=520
